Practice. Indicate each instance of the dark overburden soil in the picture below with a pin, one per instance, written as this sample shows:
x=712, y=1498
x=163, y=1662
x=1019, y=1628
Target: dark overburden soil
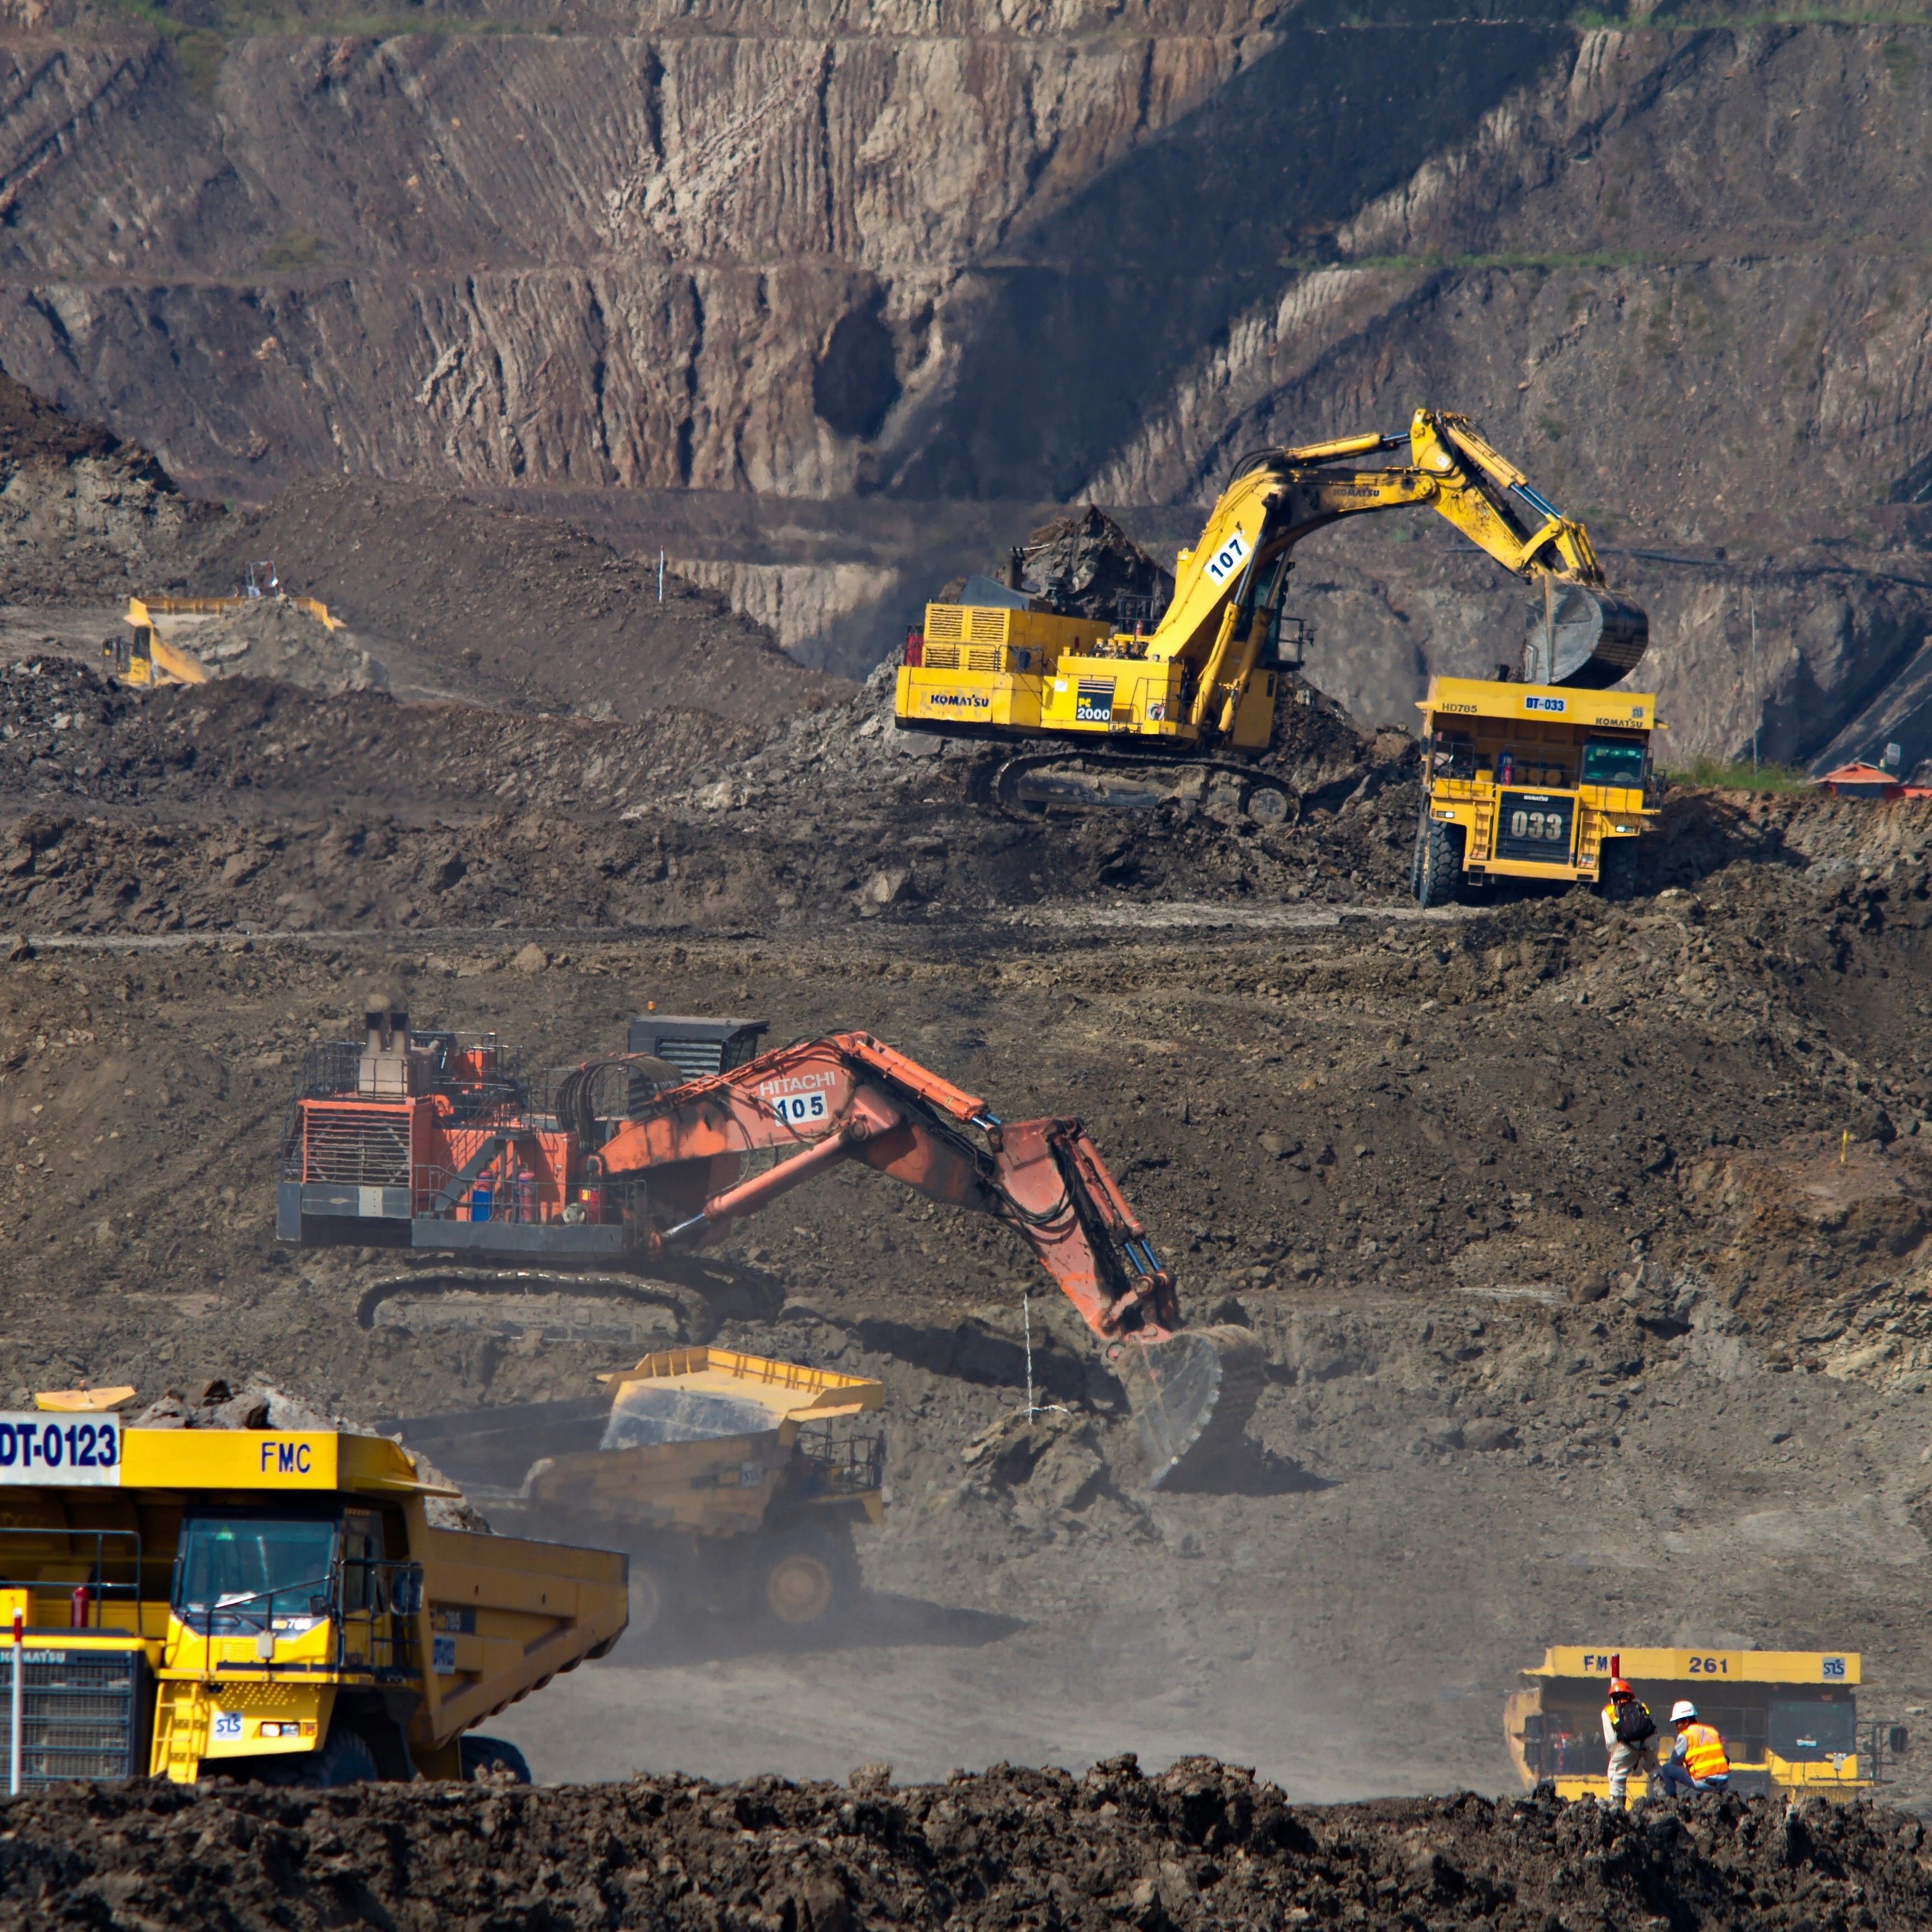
x=497, y=608
x=1202, y=1845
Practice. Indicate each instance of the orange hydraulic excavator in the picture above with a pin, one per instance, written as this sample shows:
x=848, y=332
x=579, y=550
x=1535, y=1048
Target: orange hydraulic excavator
x=849, y=1096
x=473, y=1162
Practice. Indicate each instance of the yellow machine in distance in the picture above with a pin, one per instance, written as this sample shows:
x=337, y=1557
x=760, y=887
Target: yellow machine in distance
x=145, y=658
x=269, y=1603
x=733, y=1481
x=1199, y=681
x=1531, y=781
x=1789, y=1718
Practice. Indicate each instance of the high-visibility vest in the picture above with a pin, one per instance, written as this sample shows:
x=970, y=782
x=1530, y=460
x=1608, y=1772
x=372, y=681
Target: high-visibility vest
x=1704, y=1753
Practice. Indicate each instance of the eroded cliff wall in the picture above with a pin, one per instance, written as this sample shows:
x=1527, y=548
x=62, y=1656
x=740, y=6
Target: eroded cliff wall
x=967, y=249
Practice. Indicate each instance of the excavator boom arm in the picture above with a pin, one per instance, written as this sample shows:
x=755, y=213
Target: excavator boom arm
x=850, y=1096
x=1227, y=588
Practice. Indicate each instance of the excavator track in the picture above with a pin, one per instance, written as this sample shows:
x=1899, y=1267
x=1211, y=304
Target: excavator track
x=694, y=1311
x=1266, y=798
x=1191, y=1395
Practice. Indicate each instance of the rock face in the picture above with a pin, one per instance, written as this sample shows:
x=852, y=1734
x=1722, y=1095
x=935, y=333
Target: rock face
x=748, y=247
x=953, y=252
x=1835, y=661
x=80, y=509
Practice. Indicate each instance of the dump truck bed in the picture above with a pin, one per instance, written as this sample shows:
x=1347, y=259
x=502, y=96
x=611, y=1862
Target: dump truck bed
x=506, y=1614
x=703, y=1439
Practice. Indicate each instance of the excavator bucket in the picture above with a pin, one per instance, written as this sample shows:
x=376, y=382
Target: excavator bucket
x=1589, y=639
x=1191, y=1394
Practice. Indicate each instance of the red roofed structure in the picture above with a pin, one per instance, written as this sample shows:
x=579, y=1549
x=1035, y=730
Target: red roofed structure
x=1862, y=780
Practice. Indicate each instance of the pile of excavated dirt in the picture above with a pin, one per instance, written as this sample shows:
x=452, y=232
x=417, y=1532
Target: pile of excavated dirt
x=270, y=638
x=1089, y=567
x=259, y=745
x=496, y=608
x=455, y=599
x=1201, y=1845
x=358, y=810
x=1085, y=565
x=80, y=509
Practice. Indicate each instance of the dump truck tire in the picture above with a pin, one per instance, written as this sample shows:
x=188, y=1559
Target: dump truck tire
x=650, y=1599
x=805, y=1575
x=484, y=1758
x=1616, y=870
x=344, y=1759
x=1437, y=877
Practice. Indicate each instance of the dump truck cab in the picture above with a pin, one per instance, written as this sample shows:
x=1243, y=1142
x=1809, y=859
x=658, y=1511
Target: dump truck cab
x=269, y=1603
x=1789, y=1718
x=1532, y=782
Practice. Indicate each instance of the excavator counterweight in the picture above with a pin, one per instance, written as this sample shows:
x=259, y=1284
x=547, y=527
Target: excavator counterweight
x=450, y=1154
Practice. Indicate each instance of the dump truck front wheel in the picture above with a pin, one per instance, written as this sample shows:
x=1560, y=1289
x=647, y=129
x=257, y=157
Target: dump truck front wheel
x=345, y=1758
x=1435, y=872
x=485, y=1758
x=1616, y=869
x=805, y=1574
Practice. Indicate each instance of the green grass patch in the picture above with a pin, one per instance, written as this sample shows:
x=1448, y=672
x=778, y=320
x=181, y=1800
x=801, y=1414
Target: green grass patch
x=199, y=54
x=1739, y=775
x=292, y=252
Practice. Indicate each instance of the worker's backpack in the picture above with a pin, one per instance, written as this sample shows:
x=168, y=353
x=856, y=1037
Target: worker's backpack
x=1633, y=1723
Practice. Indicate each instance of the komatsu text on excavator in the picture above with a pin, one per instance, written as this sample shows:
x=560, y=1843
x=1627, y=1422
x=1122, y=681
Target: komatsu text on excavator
x=1203, y=685
x=422, y=1140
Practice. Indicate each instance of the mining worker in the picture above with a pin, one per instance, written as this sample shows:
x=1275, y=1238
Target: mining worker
x=1629, y=1732
x=1697, y=1761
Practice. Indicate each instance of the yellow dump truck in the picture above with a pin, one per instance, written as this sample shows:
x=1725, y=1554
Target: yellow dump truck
x=144, y=657
x=1789, y=1718
x=1531, y=782
x=734, y=1481
x=264, y=1603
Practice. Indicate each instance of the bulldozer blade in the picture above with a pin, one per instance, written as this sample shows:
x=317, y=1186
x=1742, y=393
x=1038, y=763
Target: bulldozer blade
x=1191, y=1394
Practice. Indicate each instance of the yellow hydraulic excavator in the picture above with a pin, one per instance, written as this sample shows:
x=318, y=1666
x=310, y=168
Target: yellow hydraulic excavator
x=1205, y=681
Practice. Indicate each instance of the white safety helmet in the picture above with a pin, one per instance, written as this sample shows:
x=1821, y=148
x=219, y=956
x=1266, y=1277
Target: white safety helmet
x=1683, y=1712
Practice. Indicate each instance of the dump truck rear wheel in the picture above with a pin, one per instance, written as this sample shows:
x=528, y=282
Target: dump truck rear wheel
x=806, y=1574
x=491, y=1757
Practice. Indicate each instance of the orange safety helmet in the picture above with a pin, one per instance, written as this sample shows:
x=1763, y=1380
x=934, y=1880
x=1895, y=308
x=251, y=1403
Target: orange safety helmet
x=1618, y=1688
